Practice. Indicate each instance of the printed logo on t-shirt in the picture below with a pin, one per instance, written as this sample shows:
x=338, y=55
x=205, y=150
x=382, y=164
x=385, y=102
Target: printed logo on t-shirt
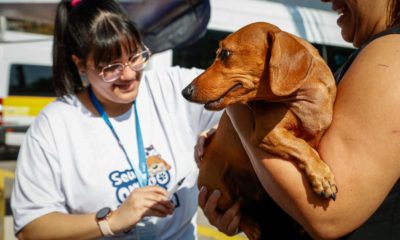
x=159, y=174
x=158, y=169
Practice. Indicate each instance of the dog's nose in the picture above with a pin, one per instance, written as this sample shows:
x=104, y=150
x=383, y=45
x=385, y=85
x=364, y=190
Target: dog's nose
x=187, y=92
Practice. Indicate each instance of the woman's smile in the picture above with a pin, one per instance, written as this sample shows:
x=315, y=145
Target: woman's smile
x=127, y=86
x=341, y=9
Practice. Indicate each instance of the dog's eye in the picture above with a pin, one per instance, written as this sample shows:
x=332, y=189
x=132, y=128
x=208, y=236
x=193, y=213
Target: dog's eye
x=222, y=54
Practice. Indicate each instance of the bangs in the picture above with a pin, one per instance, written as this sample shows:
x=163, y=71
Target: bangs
x=113, y=37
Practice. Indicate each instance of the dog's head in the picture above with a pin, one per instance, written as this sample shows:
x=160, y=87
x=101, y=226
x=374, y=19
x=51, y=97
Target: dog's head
x=259, y=61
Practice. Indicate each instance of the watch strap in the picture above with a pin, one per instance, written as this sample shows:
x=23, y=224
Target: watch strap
x=105, y=228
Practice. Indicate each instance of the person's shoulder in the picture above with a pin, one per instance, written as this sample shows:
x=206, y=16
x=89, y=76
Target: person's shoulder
x=383, y=49
x=378, y=59
x=60, y=105
x=60, y=108
x=170, y=76
x=174, y=70
x=55, y=114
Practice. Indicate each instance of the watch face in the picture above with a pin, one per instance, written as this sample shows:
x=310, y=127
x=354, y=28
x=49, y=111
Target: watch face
x=102, y=213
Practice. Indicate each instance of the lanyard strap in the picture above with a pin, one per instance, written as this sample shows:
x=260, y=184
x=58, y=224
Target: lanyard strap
x=143, y=173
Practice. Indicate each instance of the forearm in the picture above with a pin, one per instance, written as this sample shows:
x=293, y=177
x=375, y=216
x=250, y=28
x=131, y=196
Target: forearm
x=61, y=226
x=142, y=202
x=286, y=184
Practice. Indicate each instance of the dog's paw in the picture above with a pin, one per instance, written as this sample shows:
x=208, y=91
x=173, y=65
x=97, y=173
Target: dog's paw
x=322, y=181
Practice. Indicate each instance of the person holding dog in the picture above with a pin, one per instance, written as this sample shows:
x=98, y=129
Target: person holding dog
x=101, y=159
x=361, y=146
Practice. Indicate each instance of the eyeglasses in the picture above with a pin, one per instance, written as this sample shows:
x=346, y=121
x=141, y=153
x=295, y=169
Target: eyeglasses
x=136, y=62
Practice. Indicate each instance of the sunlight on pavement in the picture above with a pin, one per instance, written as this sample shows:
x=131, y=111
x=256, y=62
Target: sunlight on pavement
x=209, y=233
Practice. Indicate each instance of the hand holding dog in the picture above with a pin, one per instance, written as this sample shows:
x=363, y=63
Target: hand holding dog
x=202, y=140
x=226, y=222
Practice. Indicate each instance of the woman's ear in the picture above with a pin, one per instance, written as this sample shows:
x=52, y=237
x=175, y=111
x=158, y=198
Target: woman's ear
x=79, y=64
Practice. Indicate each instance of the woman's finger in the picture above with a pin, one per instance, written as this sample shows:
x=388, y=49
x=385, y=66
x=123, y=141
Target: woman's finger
x=200, y=144
x=211, y=131
x=202, y=140
x=199, y=150
x=231, y=219
x=154, y=213
x=231, y=213
x=233, y=227
x=202, y=196
x=210, y=208
x=157, y=207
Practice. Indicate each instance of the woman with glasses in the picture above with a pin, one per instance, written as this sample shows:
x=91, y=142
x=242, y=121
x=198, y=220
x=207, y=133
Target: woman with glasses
x=112, y=156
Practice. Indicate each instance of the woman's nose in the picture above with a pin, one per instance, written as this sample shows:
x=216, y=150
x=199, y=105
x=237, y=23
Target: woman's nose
x=128, y=73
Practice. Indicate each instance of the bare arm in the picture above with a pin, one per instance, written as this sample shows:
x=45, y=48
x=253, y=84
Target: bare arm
x=147, y=201
x=361, y=147
x=61, y=226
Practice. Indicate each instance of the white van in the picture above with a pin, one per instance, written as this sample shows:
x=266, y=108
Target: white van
x=25, y=82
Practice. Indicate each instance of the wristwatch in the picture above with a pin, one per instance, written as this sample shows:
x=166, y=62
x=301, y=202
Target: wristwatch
x=101, y=219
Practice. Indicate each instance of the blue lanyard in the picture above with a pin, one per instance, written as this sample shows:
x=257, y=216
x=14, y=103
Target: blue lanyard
x=143, y=173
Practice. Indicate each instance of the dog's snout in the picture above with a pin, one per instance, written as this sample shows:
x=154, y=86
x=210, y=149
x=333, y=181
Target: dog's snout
x=188, y=91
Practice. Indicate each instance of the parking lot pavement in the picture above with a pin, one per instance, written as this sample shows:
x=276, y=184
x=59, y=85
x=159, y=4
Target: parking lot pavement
x=208, y=232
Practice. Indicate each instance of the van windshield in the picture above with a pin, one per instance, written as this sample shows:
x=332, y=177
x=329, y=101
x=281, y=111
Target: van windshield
x=30, y=80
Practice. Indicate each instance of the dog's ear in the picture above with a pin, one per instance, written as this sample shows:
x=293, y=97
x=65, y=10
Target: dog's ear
x=289, y=64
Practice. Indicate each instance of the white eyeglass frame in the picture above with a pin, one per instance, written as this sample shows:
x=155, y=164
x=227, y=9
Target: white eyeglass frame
x=127, y=64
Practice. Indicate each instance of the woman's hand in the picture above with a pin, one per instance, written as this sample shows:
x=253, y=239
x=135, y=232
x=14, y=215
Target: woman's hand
x=142, y=202
x=227, y=222
x=202, y=141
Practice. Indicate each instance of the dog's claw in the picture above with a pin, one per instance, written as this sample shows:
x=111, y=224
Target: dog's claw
x=333, y=196
x=324, y=184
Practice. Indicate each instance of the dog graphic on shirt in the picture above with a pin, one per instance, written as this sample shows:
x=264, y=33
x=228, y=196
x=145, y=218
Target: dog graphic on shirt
x=158, y=168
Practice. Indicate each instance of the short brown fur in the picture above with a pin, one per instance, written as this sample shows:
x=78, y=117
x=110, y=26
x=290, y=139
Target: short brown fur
x=291, y=91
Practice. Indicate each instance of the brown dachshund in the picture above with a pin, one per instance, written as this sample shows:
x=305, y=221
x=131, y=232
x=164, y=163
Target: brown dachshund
x=291, y=91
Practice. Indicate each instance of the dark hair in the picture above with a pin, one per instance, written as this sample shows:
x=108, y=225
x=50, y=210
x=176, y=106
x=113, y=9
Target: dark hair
x=394, y=13
x=95, y=28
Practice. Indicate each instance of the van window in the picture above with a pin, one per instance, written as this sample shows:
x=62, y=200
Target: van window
x=30, y=80
x=201, y=54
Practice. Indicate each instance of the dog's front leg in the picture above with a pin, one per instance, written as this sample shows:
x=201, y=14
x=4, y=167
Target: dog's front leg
x=283, y=143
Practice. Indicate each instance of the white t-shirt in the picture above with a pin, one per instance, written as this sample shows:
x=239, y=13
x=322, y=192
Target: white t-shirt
x=70, y=162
